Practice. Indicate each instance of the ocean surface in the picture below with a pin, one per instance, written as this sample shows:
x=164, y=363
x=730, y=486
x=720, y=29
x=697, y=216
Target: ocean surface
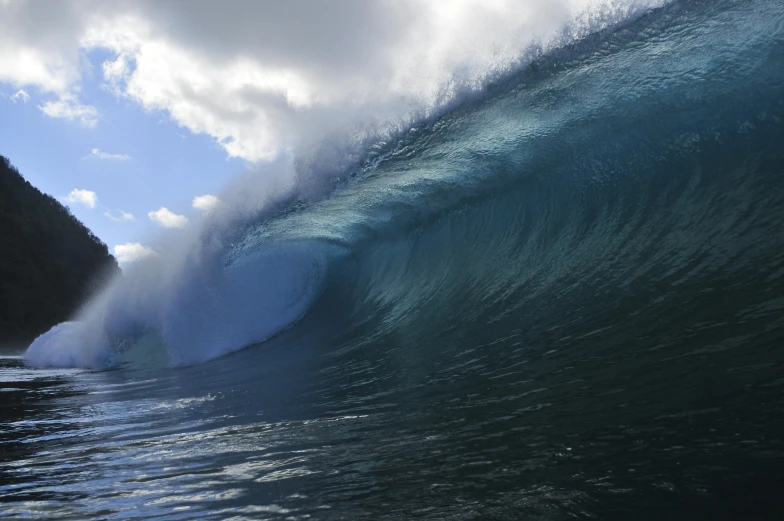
x=560, y=299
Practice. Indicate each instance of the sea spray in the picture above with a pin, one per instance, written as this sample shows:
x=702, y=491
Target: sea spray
x=200, y=300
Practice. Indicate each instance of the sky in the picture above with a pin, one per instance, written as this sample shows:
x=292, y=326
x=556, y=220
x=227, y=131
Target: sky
x=137, y=114
x=114, y=173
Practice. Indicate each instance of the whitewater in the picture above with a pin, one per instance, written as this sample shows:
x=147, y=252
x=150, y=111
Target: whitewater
x=555, y=295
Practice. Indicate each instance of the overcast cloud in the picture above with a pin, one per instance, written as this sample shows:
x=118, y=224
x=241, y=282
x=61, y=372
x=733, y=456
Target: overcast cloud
x=265, y=76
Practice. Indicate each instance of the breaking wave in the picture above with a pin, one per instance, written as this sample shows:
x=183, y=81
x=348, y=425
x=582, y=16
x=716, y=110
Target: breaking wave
x=632, y=164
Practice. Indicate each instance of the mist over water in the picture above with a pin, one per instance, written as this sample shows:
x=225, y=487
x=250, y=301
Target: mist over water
x=184, y=293
x=559, y=298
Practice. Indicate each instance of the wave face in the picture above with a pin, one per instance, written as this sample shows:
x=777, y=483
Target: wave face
x=561, y=299
x=205, y=296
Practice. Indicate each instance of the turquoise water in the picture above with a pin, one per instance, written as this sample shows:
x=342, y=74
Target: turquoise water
x=559, y=300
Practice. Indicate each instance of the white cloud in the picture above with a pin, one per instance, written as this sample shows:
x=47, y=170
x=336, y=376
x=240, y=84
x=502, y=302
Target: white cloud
x=168, y=219
x=20, y=95
x=119, y=215
x=110, y=157
x=115, y=72
x=85, y=197
x=132, y=251
x=40, y=47
x=261, y=77
x=205, y=203
x=70, y=109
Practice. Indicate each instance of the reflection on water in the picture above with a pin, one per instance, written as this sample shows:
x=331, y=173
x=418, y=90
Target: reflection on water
x=296, y=429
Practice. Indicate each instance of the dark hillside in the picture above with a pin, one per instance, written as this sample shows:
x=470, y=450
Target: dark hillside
x=49, y=261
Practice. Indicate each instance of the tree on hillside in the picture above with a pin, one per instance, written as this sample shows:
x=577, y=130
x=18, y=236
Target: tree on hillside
x=49, y=261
